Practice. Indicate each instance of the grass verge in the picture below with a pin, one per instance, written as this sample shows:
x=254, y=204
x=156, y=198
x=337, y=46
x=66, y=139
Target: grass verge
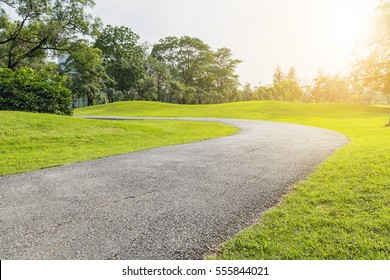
x=33, y=141
x=342, y=211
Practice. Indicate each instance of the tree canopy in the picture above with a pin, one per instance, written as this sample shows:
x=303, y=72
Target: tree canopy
x=373, y=70
x=30, y=29
x=123, y=58
x=86, y=73
x=109, y=64
x=200, y=75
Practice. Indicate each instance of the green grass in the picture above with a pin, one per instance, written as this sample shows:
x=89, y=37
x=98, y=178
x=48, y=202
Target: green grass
x=342, y=211
x=33, y=141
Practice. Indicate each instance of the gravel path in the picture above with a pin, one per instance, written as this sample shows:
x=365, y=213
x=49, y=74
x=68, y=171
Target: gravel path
x=166, y=203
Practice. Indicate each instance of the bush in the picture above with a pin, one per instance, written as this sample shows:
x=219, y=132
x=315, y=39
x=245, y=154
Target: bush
x=33, y=91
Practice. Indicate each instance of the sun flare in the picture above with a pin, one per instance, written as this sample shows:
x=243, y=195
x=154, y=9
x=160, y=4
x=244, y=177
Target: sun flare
x=340, y=28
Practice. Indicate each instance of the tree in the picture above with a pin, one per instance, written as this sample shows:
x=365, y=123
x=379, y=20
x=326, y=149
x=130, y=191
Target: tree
x=264, y=93
x=292, y=74
x=204, y=75
x=187, y=59
x=87, y=73
x=225, y=79
x=148, y=90
x=286, y=87
x=124, y=60
x=32, y=28
x=278, y=75
x=373, y=70
x=157, y=73
x=288, y=90
x=247, y=92
x=330, y=89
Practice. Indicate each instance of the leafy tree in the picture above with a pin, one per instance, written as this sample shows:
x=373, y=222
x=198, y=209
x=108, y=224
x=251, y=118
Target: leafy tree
x=87, y=73
x=225, y=79
x=124, y=60
x=288, y=90
x=30, y=29
x=373, y=71
x=292, y=74
x=187, y=59
x=247, y=93
x=330, y=89
x=264, y=93
x=148, y=90
x=177, y=92
x=278, y=75
x=33, y=91
x=286, y=87
x=158, y=73
x=204, y=75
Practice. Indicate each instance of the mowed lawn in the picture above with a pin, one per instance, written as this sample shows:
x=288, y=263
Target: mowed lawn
x=342, y=211
x=32, y=141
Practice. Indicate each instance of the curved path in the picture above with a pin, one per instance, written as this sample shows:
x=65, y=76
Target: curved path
x=173, y=202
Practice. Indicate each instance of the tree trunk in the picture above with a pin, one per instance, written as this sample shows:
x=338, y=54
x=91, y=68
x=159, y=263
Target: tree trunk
x=90, y=100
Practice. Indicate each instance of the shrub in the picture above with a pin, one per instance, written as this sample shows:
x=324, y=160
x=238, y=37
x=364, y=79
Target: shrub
x=33, y=91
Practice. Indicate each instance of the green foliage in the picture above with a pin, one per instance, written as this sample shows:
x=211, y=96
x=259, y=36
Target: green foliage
x=278, y=75
x=225, y=80
x=286, y=86
x=288, y=90
x=264, y=93
x=33, y=91
x=124, y=60
x=87, y=73
x=198, y=75
x=31, y=28
x=373, y=70
x=32, y=141
x=330, y=89
x=157, y=85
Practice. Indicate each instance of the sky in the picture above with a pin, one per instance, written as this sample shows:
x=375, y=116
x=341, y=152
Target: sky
x=310, y=35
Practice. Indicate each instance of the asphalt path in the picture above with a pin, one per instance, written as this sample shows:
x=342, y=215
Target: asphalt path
x=175, y=202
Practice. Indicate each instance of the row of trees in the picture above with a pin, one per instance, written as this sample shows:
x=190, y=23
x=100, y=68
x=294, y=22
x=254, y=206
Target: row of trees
x=368, y=81
x=324, y=88
x=108, y=64
x=177, y=70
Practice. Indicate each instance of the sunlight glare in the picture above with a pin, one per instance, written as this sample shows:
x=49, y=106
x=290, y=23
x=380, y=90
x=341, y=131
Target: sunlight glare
x=345, y=27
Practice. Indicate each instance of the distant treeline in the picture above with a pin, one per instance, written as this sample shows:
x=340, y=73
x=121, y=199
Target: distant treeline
x=108, y=64
x=323, y=88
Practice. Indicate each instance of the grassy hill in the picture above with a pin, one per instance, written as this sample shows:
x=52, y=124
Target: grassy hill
x=249, y=110
x=342, y=211
x=33, y=141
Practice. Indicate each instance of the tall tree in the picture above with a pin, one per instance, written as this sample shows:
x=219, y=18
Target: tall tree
x=205, y=76
x=287, y=87
x=87, y=74
x=187, y=59
x=30, y=29
x=278, y=75
x=226, y=80
x=124, y=60
x=373, y=70
x=330, y=89
x=158, y=74
x=292, y=74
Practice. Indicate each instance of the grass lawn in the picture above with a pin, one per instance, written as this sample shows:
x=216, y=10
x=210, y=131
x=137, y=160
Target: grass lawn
x=33, y=141
x=342, y=211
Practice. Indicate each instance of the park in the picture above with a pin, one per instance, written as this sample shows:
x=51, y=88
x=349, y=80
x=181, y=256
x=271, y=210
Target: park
x=121, y=150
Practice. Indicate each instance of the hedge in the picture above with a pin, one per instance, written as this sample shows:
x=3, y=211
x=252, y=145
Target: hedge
x=33, y=91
